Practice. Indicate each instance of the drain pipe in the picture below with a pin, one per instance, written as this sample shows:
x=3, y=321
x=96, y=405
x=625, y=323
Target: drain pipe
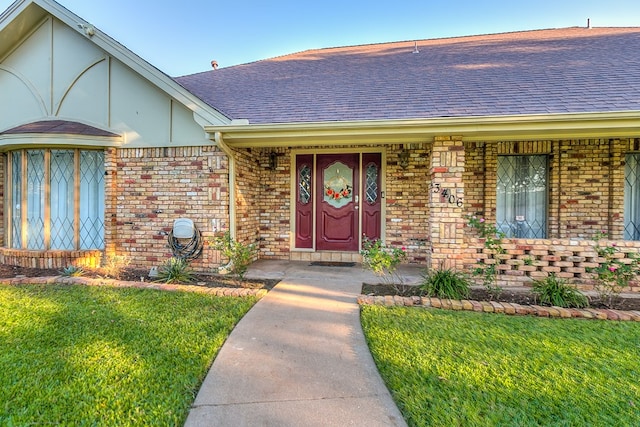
x=217, y=139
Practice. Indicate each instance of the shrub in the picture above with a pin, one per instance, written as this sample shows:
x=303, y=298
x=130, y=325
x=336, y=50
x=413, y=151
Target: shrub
x=613, y=273
x=114, y=265
x=72, y=271
x=175, y=270
x=445, y=283
x=492, y=238
x=238, y=254
x=555, y=291
x=381, y=259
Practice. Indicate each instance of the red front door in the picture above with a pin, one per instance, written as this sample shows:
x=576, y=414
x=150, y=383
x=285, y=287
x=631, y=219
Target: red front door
x=337, y=192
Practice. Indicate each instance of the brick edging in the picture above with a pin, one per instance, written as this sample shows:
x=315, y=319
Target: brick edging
x=63, y=280
x=500, y=307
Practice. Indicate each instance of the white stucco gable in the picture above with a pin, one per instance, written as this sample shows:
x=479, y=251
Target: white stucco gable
x=56, y=66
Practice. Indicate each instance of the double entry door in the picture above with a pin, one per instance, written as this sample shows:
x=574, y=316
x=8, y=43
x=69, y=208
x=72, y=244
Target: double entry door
x=338, y=199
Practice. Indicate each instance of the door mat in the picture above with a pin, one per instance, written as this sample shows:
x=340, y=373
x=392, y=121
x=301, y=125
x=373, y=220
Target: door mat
x=332, y=264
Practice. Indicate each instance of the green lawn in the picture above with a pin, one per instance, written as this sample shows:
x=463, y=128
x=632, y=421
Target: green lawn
x=76, y=355
x=450, y=368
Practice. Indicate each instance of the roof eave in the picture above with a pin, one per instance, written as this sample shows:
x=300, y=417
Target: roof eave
x=479, y=128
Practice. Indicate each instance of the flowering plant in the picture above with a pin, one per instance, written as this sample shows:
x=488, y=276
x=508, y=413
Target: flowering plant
x=488, y=268
x=338, y=193
x=612, y=273
x=381, y=259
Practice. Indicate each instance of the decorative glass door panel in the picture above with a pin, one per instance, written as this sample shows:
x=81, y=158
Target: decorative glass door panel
x=337, y=221
x=372, y=204
x=304, y=201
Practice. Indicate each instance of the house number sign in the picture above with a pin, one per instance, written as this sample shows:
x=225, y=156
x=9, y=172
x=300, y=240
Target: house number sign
x=446, y=195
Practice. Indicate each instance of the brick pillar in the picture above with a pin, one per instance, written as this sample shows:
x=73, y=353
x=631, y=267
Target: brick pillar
x=446, y=203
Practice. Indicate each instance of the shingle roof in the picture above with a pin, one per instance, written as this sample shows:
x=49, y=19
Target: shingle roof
x=569, y=70
x=59, y=127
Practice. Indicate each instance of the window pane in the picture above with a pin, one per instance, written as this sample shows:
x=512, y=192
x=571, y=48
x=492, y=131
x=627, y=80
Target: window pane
x=372, y=184
x=305, y=185
x=16, y=195
x=35, y=199
x=91, y=200
x=632, y=197
x=521, y=196
x=62, y=236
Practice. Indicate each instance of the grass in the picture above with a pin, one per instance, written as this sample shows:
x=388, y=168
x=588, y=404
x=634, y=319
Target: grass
x=74, y=355
x=448, y=368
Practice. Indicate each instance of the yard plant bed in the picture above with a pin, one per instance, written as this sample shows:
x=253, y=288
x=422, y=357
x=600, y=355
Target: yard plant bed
x=520, y=295
x=139, y=275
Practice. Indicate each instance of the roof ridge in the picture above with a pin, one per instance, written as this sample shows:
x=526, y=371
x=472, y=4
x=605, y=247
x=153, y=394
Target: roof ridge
x=445, y=38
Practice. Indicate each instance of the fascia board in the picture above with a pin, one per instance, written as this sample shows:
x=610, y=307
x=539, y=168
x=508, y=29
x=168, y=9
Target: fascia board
x=485, y=128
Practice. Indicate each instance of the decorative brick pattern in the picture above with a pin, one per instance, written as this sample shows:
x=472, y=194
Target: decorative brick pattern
x=527, y=260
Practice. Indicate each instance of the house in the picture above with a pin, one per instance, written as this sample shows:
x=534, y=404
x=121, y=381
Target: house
x=308, y=154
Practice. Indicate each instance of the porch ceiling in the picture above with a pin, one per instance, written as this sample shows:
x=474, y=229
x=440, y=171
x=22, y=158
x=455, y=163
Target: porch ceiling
x=375, y=132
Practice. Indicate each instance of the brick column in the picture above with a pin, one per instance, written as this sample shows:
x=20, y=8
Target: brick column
x=446, y=203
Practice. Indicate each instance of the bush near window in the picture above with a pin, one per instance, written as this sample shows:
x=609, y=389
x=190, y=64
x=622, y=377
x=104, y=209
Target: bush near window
x=445, y=283
x=613, y=273
x=555, y=291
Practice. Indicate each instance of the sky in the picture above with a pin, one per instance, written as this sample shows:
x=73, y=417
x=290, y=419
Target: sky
x=183, y=36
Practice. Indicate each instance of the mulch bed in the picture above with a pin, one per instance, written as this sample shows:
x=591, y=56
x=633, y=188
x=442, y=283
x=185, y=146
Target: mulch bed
x=522, y=296
x=137, y=275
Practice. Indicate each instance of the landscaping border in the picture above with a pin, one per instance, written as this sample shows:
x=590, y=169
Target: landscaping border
x=500, y=307
x=63, y=280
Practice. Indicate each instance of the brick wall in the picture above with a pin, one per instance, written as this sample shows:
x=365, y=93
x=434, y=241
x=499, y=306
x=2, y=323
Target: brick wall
x=407, y=198
x=155, y=186
x=586, y=196
x=527, y=260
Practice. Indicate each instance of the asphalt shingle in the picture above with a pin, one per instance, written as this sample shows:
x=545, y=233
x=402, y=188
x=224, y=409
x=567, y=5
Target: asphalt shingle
x=571, y=70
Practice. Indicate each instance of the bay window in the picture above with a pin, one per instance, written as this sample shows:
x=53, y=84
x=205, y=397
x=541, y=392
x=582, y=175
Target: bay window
x=56, y=200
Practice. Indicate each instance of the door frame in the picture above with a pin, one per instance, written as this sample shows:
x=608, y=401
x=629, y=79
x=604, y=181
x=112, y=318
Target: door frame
x=294, y=191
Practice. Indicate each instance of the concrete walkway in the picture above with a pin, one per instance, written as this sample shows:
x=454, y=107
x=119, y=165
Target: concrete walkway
x=298, y=358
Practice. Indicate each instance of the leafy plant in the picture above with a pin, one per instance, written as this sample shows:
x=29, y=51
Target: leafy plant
x=555, y=291
x=175, y=270
x=114, y=265
x=613, y=273
x=382, y=260
x=72, y=271
x=445, y=283
x=240, y=255
x=488, y=269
